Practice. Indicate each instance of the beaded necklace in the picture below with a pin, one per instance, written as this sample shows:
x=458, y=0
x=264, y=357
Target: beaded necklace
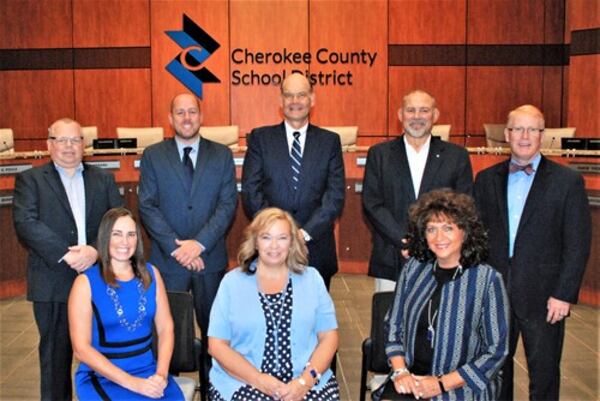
x=141, y=308
x=280, y=303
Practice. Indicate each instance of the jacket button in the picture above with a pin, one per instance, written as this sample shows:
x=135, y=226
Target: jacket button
x=190, y=207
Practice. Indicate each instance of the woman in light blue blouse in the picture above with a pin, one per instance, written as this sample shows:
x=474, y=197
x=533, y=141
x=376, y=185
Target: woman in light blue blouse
x=448, y=326
x=273, y=331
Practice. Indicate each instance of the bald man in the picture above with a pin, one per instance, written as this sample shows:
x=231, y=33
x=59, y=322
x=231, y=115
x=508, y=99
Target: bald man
x=187, y=199
x=398, y=172
x=57, y=210
x=538, y=219
x=298, y=167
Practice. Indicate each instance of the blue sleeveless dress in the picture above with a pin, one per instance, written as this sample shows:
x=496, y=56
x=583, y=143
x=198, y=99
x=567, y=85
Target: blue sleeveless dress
x=122, y=332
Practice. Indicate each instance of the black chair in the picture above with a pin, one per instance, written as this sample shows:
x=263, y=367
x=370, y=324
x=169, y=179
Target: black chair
x=187, y=351
x=373, y=347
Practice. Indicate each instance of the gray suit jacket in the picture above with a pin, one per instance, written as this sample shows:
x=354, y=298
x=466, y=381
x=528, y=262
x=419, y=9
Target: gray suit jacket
x=172, y=211
x=388, y=192
x=45, y=224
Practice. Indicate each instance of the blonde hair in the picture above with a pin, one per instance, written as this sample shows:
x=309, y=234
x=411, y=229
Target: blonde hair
x=298, y=255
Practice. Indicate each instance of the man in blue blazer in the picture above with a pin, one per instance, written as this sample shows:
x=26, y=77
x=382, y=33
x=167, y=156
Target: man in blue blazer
x=538, y=219
x=298, y=167
x=400, y=171
x=187, y=199
x=57, y=208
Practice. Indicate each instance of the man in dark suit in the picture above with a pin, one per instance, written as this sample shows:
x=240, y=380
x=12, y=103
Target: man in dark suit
x=187, y=199
x=537, y=215
x=398, y=172
x=298, y=167
x=57, y=209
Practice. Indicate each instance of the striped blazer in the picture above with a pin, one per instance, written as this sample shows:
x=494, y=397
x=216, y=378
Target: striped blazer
x=471, y=333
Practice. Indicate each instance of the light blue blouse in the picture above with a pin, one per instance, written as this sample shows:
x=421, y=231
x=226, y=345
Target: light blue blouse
x=237, y=316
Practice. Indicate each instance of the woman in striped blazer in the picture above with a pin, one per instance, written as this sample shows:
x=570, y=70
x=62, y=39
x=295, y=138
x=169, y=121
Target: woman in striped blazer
x=447, y=330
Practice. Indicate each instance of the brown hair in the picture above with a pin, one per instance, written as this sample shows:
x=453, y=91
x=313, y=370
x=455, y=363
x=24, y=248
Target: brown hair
x=459, y=209
x=138, y=262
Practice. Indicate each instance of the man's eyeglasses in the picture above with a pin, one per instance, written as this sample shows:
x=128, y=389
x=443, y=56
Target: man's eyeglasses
x=530, y=130
x=64, y=139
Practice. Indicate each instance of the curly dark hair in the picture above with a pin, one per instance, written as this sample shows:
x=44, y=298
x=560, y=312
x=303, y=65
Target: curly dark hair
x=459, y=209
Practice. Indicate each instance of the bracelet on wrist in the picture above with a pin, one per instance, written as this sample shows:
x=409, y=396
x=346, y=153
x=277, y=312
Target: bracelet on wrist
x=316, y=376
x=303, y=382
x=399, y=372
x=441, y=383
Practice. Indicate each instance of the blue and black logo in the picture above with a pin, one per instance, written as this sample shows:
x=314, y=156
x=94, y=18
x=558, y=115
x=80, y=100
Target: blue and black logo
x=197, y=46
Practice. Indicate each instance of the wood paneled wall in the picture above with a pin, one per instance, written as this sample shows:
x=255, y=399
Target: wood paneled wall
x=103, y=61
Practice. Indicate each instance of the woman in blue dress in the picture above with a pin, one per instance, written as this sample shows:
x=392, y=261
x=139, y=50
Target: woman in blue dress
x=111, y=310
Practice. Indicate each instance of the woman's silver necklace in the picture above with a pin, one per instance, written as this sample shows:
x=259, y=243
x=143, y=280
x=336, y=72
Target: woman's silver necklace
x=431, y=319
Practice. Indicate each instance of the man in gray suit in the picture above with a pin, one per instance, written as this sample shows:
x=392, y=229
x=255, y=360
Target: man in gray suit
x=57, y=209
x=187, y=199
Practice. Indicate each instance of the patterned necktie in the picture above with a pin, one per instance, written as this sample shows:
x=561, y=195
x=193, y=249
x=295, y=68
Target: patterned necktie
x=296, y=160
x=188, y=165
x=527, y=169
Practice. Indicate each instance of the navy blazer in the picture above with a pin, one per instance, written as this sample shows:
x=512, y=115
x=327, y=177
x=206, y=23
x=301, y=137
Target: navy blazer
x=45, y=224
x=319, y=199
x=553, y=238
x=388, y=192
x=170, y=210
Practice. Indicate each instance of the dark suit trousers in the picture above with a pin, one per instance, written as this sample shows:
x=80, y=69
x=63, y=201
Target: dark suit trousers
x=543, y=344
x=56, y=354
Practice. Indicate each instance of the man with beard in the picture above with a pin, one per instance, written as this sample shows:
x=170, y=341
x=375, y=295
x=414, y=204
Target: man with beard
x=187, y=199
x=398, y=173
x=298, y=167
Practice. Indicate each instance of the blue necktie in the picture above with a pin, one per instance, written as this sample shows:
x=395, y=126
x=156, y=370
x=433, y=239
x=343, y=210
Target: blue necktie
x=188, y=166
x=296, y=160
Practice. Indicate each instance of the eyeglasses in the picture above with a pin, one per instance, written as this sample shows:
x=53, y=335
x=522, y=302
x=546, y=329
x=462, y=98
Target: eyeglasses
x=530, y=130
x=297, y=96
x=64, y=139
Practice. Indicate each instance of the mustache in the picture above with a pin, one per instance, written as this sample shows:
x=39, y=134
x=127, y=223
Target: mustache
x=418, y=120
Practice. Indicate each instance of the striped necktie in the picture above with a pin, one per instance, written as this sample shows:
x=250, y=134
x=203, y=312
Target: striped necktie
x=296, y=160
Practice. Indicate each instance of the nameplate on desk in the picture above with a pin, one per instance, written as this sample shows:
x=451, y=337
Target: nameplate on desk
x=238, y=161
x=358, y=186
x=6, y=200
x=594, y=200
x=14, y=169
x=586, y=168
x=361, y=161
x=106, y=164
x=136, y=163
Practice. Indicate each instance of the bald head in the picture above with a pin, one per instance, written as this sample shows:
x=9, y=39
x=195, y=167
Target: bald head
x=419, y=94
x=187, y=97
x=526, y=110
x=296, y=80
x=56, y=125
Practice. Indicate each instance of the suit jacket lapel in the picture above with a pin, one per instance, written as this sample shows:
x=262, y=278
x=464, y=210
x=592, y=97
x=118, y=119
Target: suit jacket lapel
x=401, y=169
x=501, y=191
x=201, y=161
x=536, y=194
x=175, y=161
x=434, y=161
x=89, y=188
x=54, y=182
